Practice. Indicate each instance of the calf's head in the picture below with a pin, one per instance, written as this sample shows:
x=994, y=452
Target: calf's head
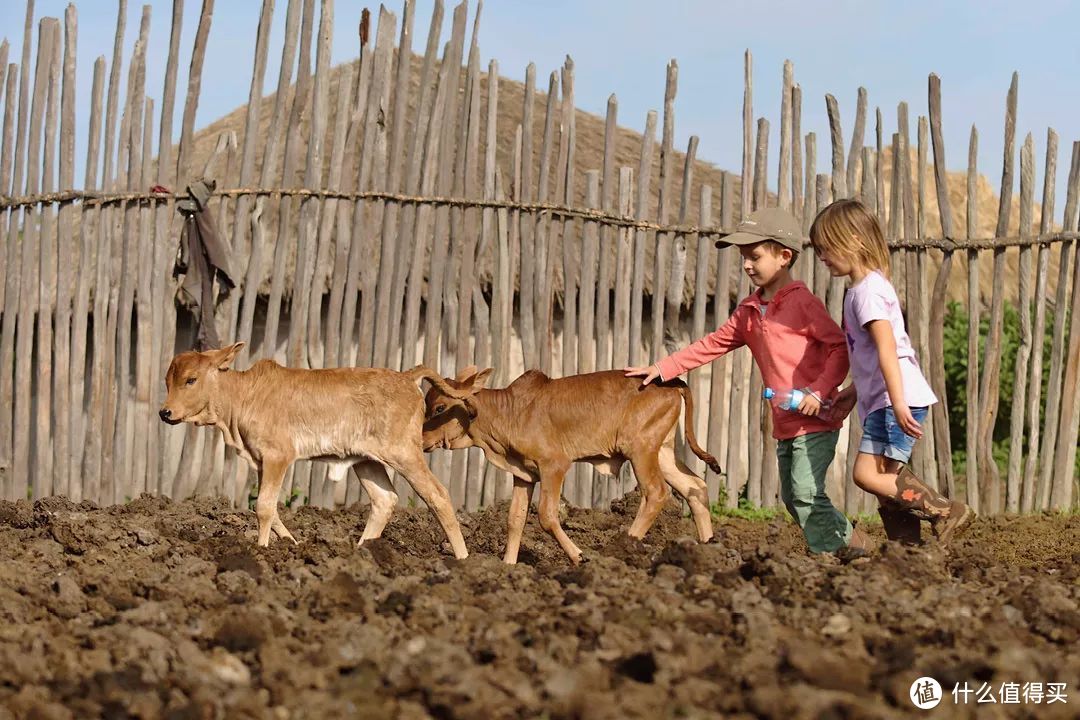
x=447, y=419
x=192, y=385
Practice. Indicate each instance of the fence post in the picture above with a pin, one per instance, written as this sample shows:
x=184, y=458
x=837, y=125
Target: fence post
x=738, y=459
x=1023, y=353
x=697, y=325
x=603, y=347
x=1053, y=386
x=755, y=421
x=989, y=389
x=290, y=163
x=47, y=285
x=637, y=287
x=942, y=446
x=10, y=278
x=1035, y=375
x=667, y=158
x=720, y=385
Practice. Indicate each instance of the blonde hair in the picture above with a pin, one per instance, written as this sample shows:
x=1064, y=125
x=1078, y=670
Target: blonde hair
x=848, y=229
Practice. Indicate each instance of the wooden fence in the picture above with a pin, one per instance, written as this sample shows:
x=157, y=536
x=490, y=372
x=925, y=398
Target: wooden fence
x=400, y=237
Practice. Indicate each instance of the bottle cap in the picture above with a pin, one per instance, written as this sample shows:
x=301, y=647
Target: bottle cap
x=768, y=394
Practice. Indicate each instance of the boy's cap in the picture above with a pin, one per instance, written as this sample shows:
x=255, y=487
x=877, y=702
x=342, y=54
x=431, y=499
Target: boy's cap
x=767, y=224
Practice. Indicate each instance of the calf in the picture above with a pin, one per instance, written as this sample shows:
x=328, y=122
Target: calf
x=537, y=427
x=274, y=415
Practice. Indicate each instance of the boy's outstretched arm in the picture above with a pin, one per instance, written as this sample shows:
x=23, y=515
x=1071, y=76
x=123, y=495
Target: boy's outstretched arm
x=649, y=373
x=726, y=338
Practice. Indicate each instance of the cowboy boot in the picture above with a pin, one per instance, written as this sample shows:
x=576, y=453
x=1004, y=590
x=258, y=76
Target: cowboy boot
x=859, y=545
x=900, y=524
x=946, y=517
x=859, y=540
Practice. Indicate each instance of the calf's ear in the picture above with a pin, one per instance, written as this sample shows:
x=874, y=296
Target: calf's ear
x=479, y=380
x=465, y=373
x=223, y=358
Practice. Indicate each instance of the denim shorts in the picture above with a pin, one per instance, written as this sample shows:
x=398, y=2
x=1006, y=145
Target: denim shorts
x=883, y=436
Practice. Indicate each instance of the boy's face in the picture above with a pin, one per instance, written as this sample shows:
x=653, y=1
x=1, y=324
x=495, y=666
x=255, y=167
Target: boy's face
x=764, y=262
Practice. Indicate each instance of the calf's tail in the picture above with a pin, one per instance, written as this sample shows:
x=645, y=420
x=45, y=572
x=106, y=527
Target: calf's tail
x=691, y=439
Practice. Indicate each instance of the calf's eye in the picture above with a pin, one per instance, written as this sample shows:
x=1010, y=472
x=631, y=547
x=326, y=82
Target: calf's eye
x=189, y=381
x=440, y=409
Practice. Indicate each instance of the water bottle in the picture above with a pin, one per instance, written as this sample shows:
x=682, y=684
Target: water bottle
x=789, y=399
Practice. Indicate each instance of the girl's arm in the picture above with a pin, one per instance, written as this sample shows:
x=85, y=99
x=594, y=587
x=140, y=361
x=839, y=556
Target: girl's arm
x=882, y=334
x=843, y=403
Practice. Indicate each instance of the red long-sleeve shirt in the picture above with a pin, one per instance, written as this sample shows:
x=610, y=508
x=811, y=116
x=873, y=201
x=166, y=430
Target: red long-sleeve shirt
x=795, y=343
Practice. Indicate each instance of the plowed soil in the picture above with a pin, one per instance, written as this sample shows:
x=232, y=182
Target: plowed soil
x=162, y=609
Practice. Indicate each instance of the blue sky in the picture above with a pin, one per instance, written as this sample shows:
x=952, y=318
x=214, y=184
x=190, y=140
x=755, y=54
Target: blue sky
x=622, y=47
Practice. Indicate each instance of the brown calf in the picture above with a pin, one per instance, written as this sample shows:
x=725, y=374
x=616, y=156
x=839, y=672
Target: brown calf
x=274, y=415
x=537, y=427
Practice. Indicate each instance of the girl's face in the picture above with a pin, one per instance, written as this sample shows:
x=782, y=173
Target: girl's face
x=839, y=265
x=763, y=263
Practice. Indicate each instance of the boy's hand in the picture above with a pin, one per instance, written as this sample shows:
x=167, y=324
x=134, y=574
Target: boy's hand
x=907, y=421
x=649, y=373
x=810, y=405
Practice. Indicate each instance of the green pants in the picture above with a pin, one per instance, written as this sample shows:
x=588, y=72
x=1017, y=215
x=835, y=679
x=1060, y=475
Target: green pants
x=804, y=461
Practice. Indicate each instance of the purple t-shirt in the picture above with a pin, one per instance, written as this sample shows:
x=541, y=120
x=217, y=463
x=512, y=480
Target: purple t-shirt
x=874, y=298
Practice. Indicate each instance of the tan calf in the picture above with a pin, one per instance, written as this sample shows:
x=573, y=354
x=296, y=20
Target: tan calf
x=274, y=415
x=537, y=427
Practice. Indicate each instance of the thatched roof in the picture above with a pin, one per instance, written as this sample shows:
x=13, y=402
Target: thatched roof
x=588, y=155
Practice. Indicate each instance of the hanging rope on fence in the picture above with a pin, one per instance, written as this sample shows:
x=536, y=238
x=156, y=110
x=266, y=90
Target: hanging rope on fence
x=93, y=198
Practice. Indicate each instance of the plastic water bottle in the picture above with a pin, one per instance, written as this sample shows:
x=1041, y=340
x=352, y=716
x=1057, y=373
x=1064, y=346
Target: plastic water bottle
x=789, y=399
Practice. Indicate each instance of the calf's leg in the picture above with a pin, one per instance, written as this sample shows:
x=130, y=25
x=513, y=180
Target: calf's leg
x=551, y=482
x=279, y=528
x=653, y=490
x=271, y=475
x=412, y=467
x=690, y=486
x=383, y=498
x=519, y=511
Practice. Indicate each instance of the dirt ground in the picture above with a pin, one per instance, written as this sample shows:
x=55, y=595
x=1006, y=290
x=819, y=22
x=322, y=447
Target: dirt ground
x=162, y=609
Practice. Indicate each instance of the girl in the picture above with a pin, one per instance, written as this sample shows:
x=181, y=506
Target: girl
x=892, y=395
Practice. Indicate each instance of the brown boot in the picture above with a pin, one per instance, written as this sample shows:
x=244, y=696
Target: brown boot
x=859, y=540
x=900, y=524
x=859, y=545
x=947, y=517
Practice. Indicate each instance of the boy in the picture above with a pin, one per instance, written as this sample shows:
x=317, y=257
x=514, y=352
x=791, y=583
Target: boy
x=796, y=345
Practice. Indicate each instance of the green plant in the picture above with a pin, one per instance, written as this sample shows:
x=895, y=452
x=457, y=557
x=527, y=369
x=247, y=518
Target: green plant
x=955, y=337
x=865, y=518
x=295, y=498
x=746, y=510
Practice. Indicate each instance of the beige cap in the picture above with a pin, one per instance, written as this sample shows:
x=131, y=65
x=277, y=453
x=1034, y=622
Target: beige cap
x=767, y=224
